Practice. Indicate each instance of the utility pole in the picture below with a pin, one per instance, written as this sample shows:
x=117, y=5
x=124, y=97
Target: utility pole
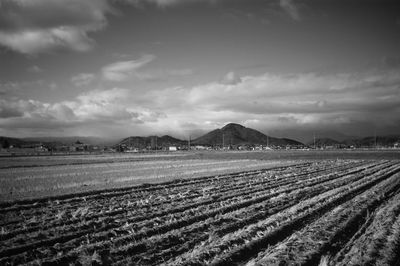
x=223, y=141
x=314, y=142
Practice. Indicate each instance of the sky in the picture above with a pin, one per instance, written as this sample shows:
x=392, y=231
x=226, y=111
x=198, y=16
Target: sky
x=117, y=68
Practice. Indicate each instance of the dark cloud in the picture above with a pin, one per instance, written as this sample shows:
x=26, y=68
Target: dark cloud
x=34, y=69
x=12, y=108
x=162, y=3
x=159, y=96
x=6, y=112
x=391, y=61
x=280, y=101
x=32, y=27
x=25, y=14
x=290, y=7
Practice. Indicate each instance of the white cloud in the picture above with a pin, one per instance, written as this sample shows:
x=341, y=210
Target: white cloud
x=303, y=93
x=62, y=112
x=122, y=70
x=275, y=102
x=37, y=26
x=90, y=110
x=288, y=101
x=290, y=8
x=32, y=27
x=82, y=79
x=35, y=41
x=102, y=105
x=230, y=79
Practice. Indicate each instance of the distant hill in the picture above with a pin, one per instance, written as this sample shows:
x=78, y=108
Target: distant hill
x=384, y=141
x=230, y=134
x=70, y=140
x=321, y=142
x=152, y=141
x=235, y=134
x=306, y=135
x=6, y=142
x=53, y=141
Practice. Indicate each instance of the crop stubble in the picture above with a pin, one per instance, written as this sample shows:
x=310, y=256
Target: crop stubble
x=328, y=210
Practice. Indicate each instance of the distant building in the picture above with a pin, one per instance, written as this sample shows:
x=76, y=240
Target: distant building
x=244, y=147
x=78, y=146
x=132, y=149
x=41, y=148
x=94, y=148
x=172, y=148
x=200, y=147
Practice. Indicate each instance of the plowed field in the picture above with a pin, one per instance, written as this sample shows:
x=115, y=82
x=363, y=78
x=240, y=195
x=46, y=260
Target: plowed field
x=336, y=212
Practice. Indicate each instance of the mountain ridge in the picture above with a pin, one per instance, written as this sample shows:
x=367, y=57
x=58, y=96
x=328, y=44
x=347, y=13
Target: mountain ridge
x=143, y=142
x=236, y=134
x=231, y=134
x=370, y=141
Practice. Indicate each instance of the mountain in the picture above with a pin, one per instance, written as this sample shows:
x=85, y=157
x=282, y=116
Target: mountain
x=383, y=141
x=235, y=134
x=70, y=140
x=6, y=142
x=387, y=141
x=153, y=141
x=321, y=142
x=306, y=135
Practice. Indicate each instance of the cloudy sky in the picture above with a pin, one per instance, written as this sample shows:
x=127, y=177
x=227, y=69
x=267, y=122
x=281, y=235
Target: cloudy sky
x=114, y=68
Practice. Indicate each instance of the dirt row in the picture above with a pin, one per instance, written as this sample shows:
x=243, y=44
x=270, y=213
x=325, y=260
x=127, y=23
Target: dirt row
x=221, y=220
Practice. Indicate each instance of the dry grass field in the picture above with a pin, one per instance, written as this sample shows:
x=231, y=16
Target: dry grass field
x=201, y=209
x=52, y=176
